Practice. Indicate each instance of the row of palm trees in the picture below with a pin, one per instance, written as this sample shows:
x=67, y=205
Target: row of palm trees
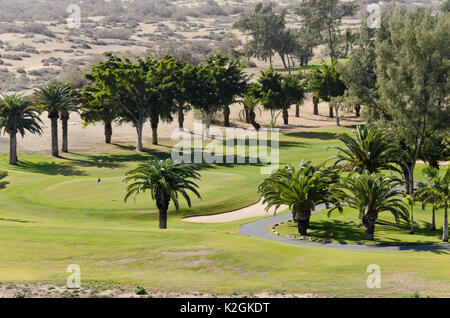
x=20, y=114
x=355, y=179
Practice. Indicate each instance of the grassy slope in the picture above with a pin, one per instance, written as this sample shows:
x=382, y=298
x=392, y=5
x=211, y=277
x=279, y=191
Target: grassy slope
x=53, y=213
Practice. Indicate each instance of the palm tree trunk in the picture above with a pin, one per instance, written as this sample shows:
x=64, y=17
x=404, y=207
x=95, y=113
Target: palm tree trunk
x=162, y=215
x=226, y=116
x=433, y=220
x=301, y=217
x=331, y=115
x=411, y=231
x=65, y=134
x=316, y=105
x=297, y=110
x=13, y=148
x=369, y=226
x=286, y=117
x=108, y=132
x=445, y=228
x=247, y=115
x=252, y=116
x=54, y=129
x=180, y=117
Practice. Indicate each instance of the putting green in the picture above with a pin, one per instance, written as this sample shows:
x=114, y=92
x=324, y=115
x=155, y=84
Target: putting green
x=86, y=193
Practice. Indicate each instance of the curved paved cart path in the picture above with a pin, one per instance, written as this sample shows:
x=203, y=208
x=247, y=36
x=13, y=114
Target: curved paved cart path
x=261, y=228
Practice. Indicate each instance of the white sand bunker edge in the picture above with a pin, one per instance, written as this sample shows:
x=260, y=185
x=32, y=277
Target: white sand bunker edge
x=255, y=210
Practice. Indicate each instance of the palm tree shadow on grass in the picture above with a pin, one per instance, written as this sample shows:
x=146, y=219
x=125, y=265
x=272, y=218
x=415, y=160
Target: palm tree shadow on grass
x=348, y=232
x=50, y=168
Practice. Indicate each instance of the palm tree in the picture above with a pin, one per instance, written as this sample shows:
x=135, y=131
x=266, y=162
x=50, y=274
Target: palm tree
x=349, y=38
x=427, y=194
x=250, y=103
x=54, y=98
x=441, y=183
x=300, y=189
x=370, y=194
x=369, y=149
x=64, y=114
x=166, y=181
x=18, y=115
x=409, y=200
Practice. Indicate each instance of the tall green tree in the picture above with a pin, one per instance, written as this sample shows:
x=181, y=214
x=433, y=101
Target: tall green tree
x=324, y=17
x=268, y=32
x=163, y=87
x=166, y=182
x=55, y=98
x=271, y=94
x=139, y=89
x=218, y=83
x=412, y=79
x=18, y=114
x=300, y=189
x=325, y=83
x=97, y=107
x=294, y=93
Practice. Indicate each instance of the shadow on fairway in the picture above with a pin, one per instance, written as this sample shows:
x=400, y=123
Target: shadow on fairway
x=50, y=168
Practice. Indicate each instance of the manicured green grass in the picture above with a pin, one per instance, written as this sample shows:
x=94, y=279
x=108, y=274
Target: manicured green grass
x=53, y=214
x=346, y=228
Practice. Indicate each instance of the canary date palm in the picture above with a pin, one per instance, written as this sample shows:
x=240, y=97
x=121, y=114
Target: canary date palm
x=166, y=181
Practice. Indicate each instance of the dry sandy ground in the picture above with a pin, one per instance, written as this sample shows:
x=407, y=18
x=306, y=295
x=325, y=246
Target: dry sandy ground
x=42, y=290
x=91, y=138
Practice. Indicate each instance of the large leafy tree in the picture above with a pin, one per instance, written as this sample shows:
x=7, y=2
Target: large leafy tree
x=324, y=17
x=277, y=93
x=325, y=83
x=18, y=114
x=183, y=75
x=217, y=85
x=271, y=93
x=95, y=106
x=370, y=149
x=268, y=32
x=163, y=87
x=139, y=89
x=166, y=182
x=371, y=194
x=300, y=189
x=294, y=93
x=56, y=99
x=412, y=80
